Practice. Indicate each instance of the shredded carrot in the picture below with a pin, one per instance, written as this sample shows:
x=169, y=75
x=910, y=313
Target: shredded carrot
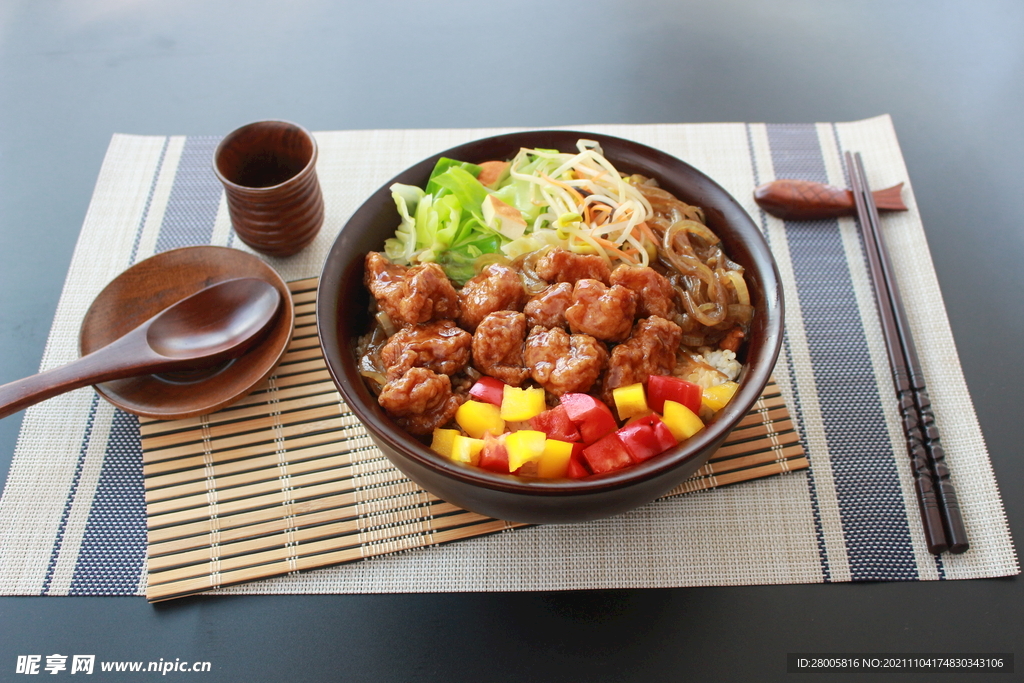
x=613, y=248
x=569, y=188
x=647, y=232
x=597, y=213
x=589, y=176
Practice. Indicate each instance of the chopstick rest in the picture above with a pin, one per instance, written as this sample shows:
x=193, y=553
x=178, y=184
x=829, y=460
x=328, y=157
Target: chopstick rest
x=940, y=510
x=805, y=200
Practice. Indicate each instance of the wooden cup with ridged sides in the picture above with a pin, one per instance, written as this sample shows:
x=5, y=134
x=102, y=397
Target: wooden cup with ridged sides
x=268, y=169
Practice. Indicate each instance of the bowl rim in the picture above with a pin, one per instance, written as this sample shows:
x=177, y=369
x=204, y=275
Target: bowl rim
x=354, y=392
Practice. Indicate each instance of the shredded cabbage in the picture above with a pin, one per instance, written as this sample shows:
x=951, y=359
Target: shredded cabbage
x=575, y=201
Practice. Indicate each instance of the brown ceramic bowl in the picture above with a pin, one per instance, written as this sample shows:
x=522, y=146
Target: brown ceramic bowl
x=342, y=315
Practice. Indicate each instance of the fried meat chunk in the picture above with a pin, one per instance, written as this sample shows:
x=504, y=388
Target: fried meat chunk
x=440, y=346
x=496, y=288
x=420, y=400
x=564, y=363
x=559, y=265
x=498, y=346
x=548, y=307
x=650, y=350
x=655, y=294
x=602, y=312
x=410, y=295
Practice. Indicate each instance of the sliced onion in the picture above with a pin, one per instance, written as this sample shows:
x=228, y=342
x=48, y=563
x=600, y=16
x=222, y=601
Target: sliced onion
x=741, y=313
x=527, y=267
x=692, y=340
x=386, y=323
x=706, y=235
x=485, y=260
x=739, y=285
x=709, y=314
x=375, y=376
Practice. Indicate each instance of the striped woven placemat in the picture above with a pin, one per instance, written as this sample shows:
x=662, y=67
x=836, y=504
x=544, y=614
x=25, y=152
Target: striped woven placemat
x=288, y=480
x=73, y=515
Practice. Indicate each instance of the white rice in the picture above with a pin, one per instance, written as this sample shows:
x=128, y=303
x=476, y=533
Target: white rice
x=724, y=361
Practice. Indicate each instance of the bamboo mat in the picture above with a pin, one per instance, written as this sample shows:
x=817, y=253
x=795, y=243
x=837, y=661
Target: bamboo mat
x=288, y=480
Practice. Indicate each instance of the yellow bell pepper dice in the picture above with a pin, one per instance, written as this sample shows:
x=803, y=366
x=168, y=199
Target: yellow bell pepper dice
x=681, y=421
x=466, y=449
x=630, y=401
x=477, y=418
x=519, y=405
x=526, y=445
x=443, y=440
x=554, y=460
x=718, y=396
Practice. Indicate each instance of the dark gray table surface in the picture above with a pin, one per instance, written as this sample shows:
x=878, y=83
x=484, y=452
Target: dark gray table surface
x=951, y=74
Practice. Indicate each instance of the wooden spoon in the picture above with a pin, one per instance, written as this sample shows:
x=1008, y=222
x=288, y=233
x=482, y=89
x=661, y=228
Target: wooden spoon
x=213, y=325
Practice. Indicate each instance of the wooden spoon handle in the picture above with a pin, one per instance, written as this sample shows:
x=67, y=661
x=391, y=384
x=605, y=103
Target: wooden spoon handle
x=125, y=357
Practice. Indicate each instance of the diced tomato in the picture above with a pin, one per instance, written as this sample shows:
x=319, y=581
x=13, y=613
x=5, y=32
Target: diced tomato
x=646, y=437
x=494, y=456
x=577, y=464
x=662, y=433
x=488, y=390
x=661, y=388
x=590, y=415
x=556, y=424
x=607, y=454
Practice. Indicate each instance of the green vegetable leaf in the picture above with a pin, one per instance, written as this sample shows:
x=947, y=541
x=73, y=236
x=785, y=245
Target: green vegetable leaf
x=442, y=165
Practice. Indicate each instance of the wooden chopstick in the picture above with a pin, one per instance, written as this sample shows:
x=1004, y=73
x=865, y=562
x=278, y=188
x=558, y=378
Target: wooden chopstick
x=940, y=511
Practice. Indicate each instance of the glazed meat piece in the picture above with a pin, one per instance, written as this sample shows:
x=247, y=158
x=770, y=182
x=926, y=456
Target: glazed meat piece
x=600, y=311
x=655, y=294
x=410, y=295
x=497, y=288
x=441, y=346
x=548, y=308
x=498, y=346
x=420, y=400
x=560, y=265
x=733, y=340
x=564, y=363
x=650, y=350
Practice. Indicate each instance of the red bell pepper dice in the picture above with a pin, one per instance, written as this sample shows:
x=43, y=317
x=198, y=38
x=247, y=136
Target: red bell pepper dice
x=577, y=464
x=662, y=433
x=556, y=424
x=646, y=437
x=607, y=454
x=488, y=390
x=494, y=455
x=661, y=388
x=639, y=440
x=590, y=415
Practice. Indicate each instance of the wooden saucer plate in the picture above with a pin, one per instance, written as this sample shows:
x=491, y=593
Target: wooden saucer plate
x=152, y=285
